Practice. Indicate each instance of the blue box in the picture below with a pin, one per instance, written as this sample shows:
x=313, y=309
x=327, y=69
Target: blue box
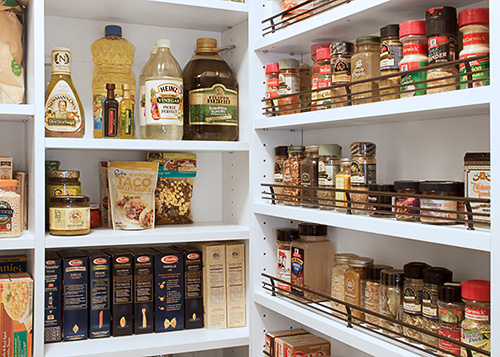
x=143, y=290
x=53, y=297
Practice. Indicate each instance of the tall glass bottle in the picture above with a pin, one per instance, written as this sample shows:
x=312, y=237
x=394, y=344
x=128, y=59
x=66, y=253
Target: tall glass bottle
x=110, y=110
x=164, y=106
x=210, y=95
x=142, y=95
x=127, y=120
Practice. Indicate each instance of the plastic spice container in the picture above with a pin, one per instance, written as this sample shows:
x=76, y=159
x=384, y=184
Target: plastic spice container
x=371, y=292
x=403, y=212
x=284, y=238
x=272, y=86
x=305, y=86
x=391, y=298
x=376, y=201
x=315, y=72
x=69, y=215
x=325, y=78
x=309, y=176
x=289, y=84
x=442, y=30
x=353, y=289
x=412, y=36
x=291, y=174
x=363, y=173
x=474, y=25
x=328, y=167
x=433, y=277
x=343, y=181
x=412, y=297
x=312, y=260
x=280, y=156
x=338, y=274
x=440, y=189
x=451, y=315
x=391, y=53
x=477, y=177
x=10, y=209
x=476, y=326
x=341, y=53
x=366, y=65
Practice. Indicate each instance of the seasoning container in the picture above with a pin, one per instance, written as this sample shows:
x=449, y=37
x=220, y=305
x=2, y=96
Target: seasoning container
x=474, y=25
x=95, y=215
x=343, y=181
x=291, y=174
x=309, y=176
x=325, y=78
x=376, y=201
x=476, y=326
x=63, y=183
x=440, y=189
x=315, y=72
x=451, y=315
x=338, y=279
x=10, y=209
x=341, y=53
x=433, y=277
x=280, y=156
x=461, y=204
x=442, y=30
x=371, y=292
x=391, y=53
x=478, y=183
x=69, y=215
x=413, y=37
x=284, y=238
x=52, y=165
x=328, y=167
x=305, y=86
x=412, y=297
x=272, y=87
x=289, y=84
x=391, y=298
x=403, y=212
x=312, y=260
x=366, y=65
x=353, y=289
x=363, y=173
x=297, y=13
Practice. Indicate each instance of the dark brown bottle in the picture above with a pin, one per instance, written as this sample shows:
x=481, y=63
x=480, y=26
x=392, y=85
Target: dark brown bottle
x=110, y=113
x=210, y=96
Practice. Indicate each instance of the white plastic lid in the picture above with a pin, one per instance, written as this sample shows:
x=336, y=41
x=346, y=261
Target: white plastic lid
x=153, y=50
x=163, y=43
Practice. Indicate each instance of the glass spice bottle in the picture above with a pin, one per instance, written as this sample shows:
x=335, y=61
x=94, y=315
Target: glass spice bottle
x=476, y=325
x=353, y=289
x=391, y=298
x=413, y=37
x=272, y=87
x=440, y=189
x=363, y=173
x=280, y=156
x=341, y=53
x=338, y=279
x=371, y=292
x=325, y=78
x=412, y=301
x=403, y=213
x=343, y=181
x=289, y=84
x=391, y=53
x=366, y=65
x=328, y=167
x=291, y=174
x=309, y=176
x=451, y=315
x=315, y=72
x=377, y=200
x=284, y=238
x=305, y=86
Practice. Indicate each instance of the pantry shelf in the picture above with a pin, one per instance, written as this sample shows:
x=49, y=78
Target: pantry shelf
x=197, y=232
x=16, y=112
x=152, y=344
x=25, y=241
x=455, y=236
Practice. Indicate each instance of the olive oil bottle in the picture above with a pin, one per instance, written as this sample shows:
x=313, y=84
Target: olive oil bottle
x=210, y=95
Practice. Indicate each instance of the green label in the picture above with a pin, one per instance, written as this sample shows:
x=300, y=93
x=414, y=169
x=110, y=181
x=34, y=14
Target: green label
x=408, y=79
x=16, y=68
x=213, y=106
x=476, y=66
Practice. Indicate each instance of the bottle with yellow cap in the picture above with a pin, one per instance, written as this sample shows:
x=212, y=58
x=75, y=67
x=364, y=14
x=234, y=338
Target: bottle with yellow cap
x=210, y=95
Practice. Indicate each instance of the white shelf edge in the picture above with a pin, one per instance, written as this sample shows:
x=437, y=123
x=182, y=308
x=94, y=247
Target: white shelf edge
x=25, y=241
x=197, y=232
x=16, y=112
x=152, y=344
x=213, y=4
x=455, y=235
x=361, y=339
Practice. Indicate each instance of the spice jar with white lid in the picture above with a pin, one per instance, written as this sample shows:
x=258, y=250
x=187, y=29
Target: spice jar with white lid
x=353, y=289
x=412, y=297
x=291, y=175
x=451, y=315
x=371, y=292
x=309, y=177
x=391, y=298
x=338, y=279
x=10, y=209
x=328, y=167
x=284, y=239
x=412, y=36
x=363, y=173
x=476, y=326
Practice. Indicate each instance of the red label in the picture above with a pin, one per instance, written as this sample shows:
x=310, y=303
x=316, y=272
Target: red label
x=143, y=259
x=193, y=256
x=314, y=81
x=324, y=84
x=273, y=82
x=452, y=333
x=476, y=38
x=414, y=49
x=325, y=69
x=50, y=262
x=271, y=94
x=122, y=260
x=169, y=259
x=477, y=314
x=99, y=261
x=75, y=263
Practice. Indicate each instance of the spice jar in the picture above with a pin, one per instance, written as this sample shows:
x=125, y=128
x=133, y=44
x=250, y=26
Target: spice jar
x=325, y=78
x=280, y=156
x=284, y=238
x=377, y=201
x=353, y=289
x=391, y=53
x=289, y=84
x=309, y=176
x=442, y=29
x=433, y=277
x=291, y=174
x=52, y=165
x=343, y=181
x=371, y=292
x=440, y=189
x=363, y=173
x=412, y=297
x=413, y=37
x=391, y=298
x=338, y=274
x=272, y=87
x=294, y=14
x=328, y=167
x=474, y=25
x=315, y=72
x=476, y=325
x=305, y=86
x=451, y=315
x=366, y=65
x=69, y=215
x=477, y=177
x=95, y=215
x=10, y=209
x=312, y=260
x=403, y=212
x=341, y=53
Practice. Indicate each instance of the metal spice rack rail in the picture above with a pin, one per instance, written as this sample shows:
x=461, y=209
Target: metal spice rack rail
x=348, y=98
x=326, y=310
x=470, y=218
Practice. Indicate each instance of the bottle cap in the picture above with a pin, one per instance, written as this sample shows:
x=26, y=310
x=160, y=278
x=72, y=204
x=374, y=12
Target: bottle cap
x=360, y=262
x=392, y=277
x=367, y=39
x=344, y=258
x=450, y=292
x=323, y=54
x=126, y=86
x=445, y=186
x=287, y=234
x=206, y=45
x=473, y=16
x=281, y=151
x=69, y=174
x=330, y=150
x=363, y=148
x=406, y=185
x=389, y=31
x=312, y=149
x=163, y=43
x=411, y=28
x=110, y=86
x=441, y=21
x=272, y=67
x=112, y=30
x=296, y=148
x=382, y=187
x=437, y=275
x=341, y=48
x=316, y=46
x=415, y=270
x=312, y=229
x=476, y=290
x=289, y=63
x=345, y=161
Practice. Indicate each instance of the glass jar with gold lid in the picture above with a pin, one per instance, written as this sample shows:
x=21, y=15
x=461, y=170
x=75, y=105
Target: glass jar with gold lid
x=69, y=215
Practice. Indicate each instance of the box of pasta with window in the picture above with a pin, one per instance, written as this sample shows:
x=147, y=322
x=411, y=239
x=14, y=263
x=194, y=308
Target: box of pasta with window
x=143, y=290
x=53, y=297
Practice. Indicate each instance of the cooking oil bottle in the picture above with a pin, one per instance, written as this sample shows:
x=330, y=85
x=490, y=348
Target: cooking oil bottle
x=113, y=57
x=142, y=95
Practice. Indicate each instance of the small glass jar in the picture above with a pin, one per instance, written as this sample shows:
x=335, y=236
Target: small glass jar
x=403, y=212
x=440, y=189
x=353, y=289
x=289, y=84
x=315, y=72
x=371, y=292
x=412, y=297
x=328, y=167
x=325, y=79
x=338, y=279
x=476, y=325
x=272, y=87
x=63, y=183
x=284, y=238
x=341, y=53
x=69, y=215
x=391, y=298
x=366, y=65
x=343, y=181
x=451, y=315
x=363, y=173
x=305, y=86
x=95, y=215
x=412, y=36
x=52, y=165
x=391, y=53
x=10, y=209
x=377, y=201
x=291, y=174
x=309, y=177
x=280, y=156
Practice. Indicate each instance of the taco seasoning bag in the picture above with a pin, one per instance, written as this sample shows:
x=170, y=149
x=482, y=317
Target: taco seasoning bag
x=176, y=173
x=132, y=194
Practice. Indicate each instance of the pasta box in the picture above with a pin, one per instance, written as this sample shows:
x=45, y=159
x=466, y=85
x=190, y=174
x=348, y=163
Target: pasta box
x=143, y=290
x=13, y=264
x=53, y=297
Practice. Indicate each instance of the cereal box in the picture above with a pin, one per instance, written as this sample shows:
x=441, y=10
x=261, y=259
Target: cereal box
x=53, y=297
x=143, y=290
x=235, y=285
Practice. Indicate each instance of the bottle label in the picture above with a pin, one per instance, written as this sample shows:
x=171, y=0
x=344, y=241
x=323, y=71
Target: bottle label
x=359, y=71
x=475, y=66
x=412, y=300
x=415, y=49
x=289, y=84
x=441, y=49
x=273, y=82
x=477, y=314
x=351, y=290
x=325, y=175
x=452, y=333
x=325, y=70
x=61, y=62
x=363, y=174
x=213, y=106
x=429, y=304
x=438, y=205
x=63, y=190
x=69, y=218
x=164, y=102
x=62, y=113
x=6, y=214
x=390, y=56
x=297, y=269
x=408, y=202
x=407, y=80
x=284, y=267
x=127, y=117
x=476, y=338
x=341, y=70
x=340, y=182
x=477, y=38
x=142, y=105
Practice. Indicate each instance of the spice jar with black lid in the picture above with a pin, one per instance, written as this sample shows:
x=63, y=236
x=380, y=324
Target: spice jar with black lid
x=391, y=298
x=341, y=53
x=451, y=315
x=391, y=54
x=371, y=292
x=284, y=238
x=280, y=156
x=412, y=301
x=291, y=174
x=309, y=177
x=403, y=212
x=377, y=202
x=328, y=167
x=363, y=173
x=440, y=189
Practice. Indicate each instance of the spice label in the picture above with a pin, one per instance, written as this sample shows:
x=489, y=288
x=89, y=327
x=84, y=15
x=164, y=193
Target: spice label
x=314, y=82
x=441, y=49
x=351, y=291
x=6, y=214
x=325, y=70
x=415, y=49
x=359, y=71
x=429, y=304
x=325, y=174
x=407, y=80
x=61, y=62
x=297, y=269
x=284, y=267
x=62, y=113
x=478, y=185
x=341, y=70
x=390, y=56
x=452, y=333
x=324, y=83
x=69, y=219
x=476, y=338
x=340, y=182
x=439, y=205
x=408, y=202
x=213, y=106
x=476, y=66
x=164, y=102
x=477, y=38
x=273, y=82
x=412, y=300
x=363, y=174
x=477, y=314
x=289, y=84
x=63, y=190
x=278, y=172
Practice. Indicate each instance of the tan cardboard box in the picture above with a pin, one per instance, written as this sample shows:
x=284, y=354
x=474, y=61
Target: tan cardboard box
x=235, y=285
x=302, y=345
x=272, y=335
x=5, y=168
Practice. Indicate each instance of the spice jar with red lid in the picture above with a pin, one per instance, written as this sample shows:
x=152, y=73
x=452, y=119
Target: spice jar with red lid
x=476, y=326
x=272, y=86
